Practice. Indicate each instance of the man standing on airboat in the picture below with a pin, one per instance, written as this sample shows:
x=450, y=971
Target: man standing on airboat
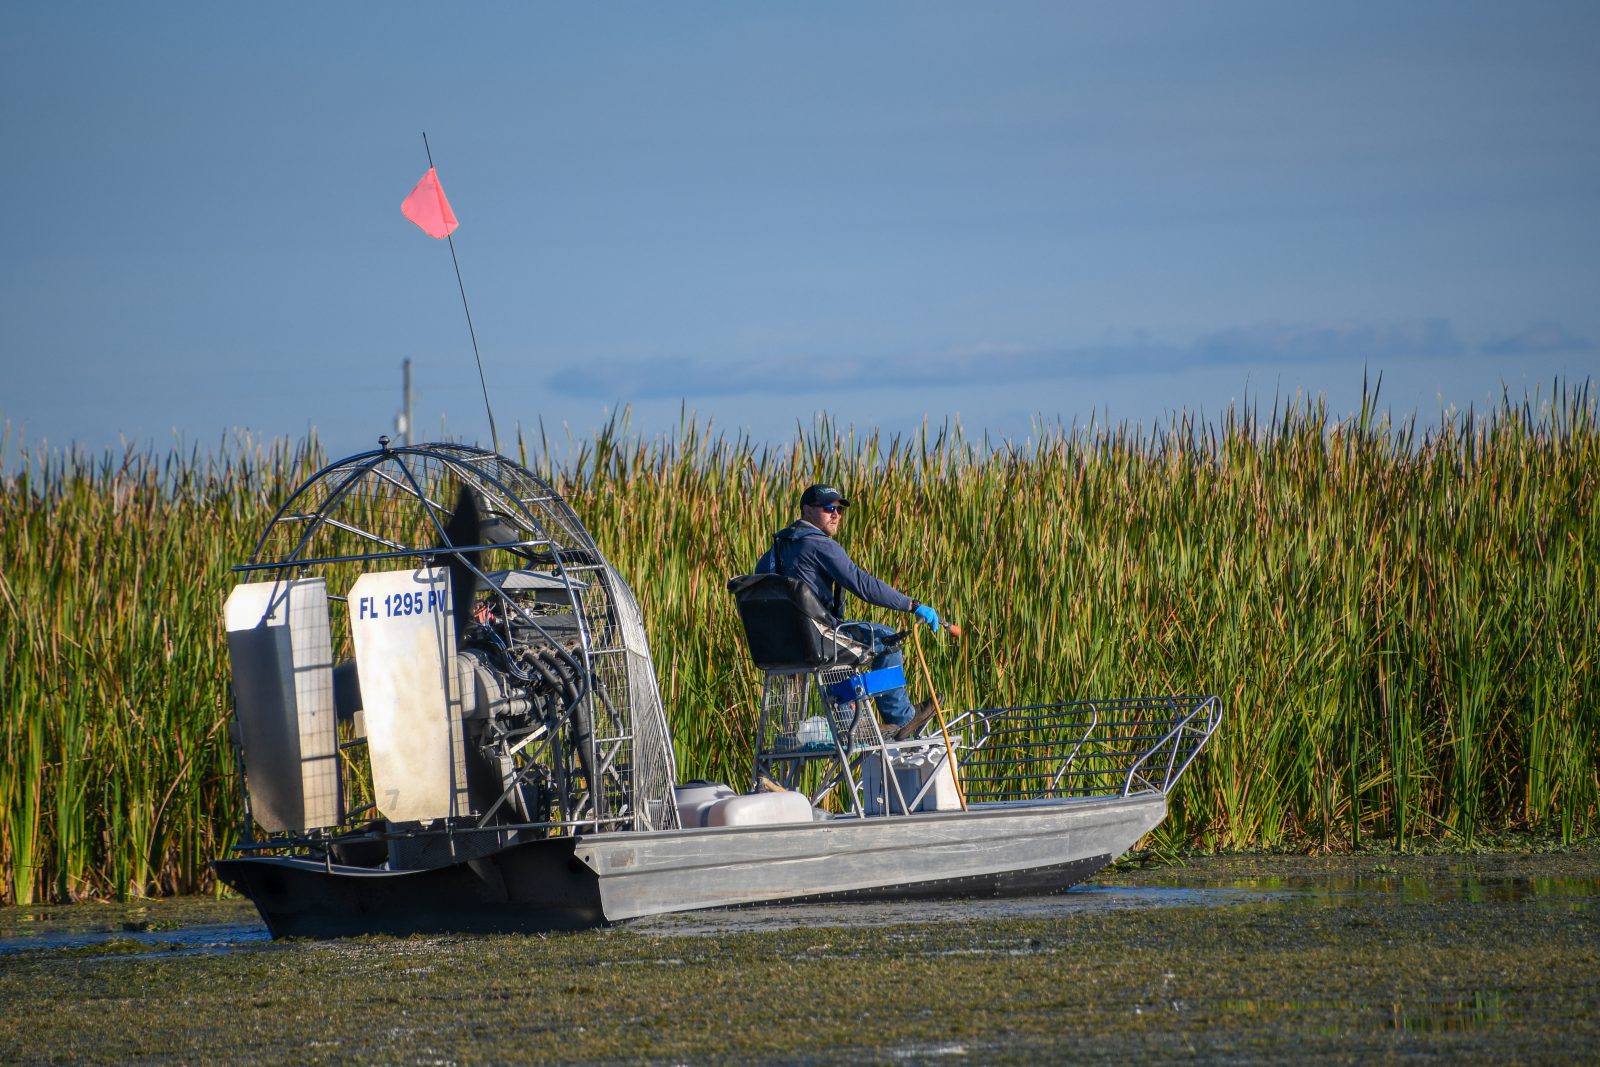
x=806, y=549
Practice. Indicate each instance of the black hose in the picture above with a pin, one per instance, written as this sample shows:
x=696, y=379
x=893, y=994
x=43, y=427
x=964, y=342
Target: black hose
x=498, y=650
x=552, y=679
x=582, y=726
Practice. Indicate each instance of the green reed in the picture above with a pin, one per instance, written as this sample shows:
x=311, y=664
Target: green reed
x=113, y=699
x=1402, y=623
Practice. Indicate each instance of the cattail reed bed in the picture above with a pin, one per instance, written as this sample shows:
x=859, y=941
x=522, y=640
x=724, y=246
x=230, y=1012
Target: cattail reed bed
x=1402, y=622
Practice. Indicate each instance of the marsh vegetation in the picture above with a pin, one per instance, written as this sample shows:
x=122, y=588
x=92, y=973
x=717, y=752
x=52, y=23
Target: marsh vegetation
x=1401, y=621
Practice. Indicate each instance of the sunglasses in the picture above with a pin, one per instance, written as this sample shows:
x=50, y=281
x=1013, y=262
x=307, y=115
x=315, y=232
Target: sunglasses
x=833, y=509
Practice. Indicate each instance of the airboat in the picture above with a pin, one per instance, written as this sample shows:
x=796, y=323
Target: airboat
x=448, y=720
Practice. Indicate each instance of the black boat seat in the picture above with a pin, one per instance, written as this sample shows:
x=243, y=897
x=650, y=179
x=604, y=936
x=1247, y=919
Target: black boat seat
x=787, y=628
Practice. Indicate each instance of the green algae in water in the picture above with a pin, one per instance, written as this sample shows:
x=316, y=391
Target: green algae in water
x=1360, y=975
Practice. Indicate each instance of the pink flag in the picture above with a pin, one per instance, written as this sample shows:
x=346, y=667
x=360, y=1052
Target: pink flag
x=427, y=207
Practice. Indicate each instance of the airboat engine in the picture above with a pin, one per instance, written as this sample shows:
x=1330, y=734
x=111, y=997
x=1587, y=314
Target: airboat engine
x=436, y=709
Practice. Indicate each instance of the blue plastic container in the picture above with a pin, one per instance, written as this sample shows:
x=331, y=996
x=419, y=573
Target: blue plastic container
x=867, y=684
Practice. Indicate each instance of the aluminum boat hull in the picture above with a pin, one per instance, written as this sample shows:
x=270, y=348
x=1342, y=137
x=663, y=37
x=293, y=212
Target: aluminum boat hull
x=572, y=883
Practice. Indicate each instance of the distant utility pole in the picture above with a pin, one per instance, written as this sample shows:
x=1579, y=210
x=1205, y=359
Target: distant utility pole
x=402, y=421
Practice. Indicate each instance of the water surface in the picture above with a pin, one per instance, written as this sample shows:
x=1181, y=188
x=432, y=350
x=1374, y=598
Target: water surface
x=1217, y=960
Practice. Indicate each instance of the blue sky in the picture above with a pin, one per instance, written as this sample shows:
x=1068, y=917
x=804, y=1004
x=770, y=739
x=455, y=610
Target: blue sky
x=886, y=212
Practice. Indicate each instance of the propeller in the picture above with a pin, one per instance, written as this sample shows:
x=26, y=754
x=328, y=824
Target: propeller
x=497, y=529
x=464, y=528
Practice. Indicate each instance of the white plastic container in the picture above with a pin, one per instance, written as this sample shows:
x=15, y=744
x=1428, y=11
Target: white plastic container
x=915, y=764
x=814, y=732
x=695, y=800
x=760, y=809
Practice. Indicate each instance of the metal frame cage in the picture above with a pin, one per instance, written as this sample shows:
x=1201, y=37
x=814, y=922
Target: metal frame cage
x=583, y=742
x=1082, y=748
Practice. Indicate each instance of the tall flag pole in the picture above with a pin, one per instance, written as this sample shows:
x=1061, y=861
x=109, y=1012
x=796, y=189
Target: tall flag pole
x=428, y=208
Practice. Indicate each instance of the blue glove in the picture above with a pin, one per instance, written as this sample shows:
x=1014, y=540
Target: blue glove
x=927, y=615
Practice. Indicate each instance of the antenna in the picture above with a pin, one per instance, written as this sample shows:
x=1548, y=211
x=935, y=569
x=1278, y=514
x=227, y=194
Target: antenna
x=494, y=435
x=402, y=421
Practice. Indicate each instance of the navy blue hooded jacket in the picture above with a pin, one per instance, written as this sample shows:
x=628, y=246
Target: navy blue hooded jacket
x=801, y=550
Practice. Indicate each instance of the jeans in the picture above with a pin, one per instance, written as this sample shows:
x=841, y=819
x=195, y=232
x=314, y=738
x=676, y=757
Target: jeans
x=894, y=707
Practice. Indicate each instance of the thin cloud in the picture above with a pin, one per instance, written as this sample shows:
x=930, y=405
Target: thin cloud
x=675, y=377
x=1320, y=342
x=671, y=377
x=1539, y=339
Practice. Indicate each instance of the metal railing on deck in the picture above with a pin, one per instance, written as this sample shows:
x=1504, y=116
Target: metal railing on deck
x=1082, y=748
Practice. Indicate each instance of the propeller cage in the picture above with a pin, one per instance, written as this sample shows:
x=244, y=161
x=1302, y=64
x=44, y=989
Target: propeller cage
x=429, y=641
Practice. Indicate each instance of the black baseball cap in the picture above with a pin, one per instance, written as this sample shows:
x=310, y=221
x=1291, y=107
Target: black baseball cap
x=817, y=496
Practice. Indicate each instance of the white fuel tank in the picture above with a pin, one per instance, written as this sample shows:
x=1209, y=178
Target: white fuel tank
x=760, y=809
x=694, y=801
